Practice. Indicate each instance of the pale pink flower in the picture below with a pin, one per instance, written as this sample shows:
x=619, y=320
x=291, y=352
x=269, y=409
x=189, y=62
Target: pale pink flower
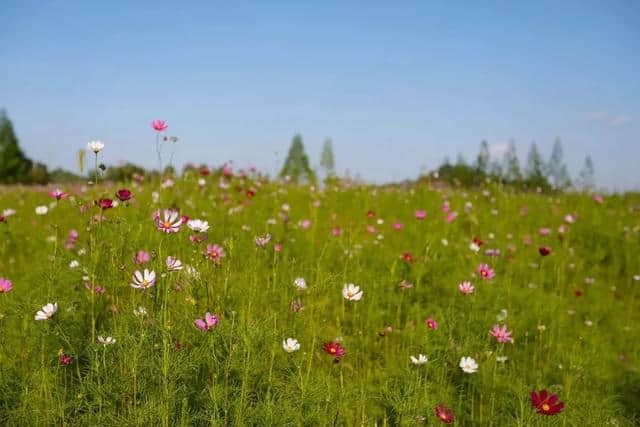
x=143, y=280
x=305, y=224
x=58, y=194
x=208, y=323
x=173, y=264
x=466, y=288
x=486, y=272
x=214, y=252
x=141, y=257
x=451, y=216
x=168, y=220
x=398, y=226
x=545, y=231
x=501, y=333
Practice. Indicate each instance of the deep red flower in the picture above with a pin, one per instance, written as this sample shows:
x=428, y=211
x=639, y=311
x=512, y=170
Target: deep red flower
x=65, y=359
x=251, y=192
x=185, y=218
x=577, y=293
x=478, y=241
x=2, y=219
x=444, y=414
x=546, y=404
x=204, y=171
x=407, y=257
x=105, y=203
x=544, y=250
x=334, y=349
x=123, y=194
x=371, y=214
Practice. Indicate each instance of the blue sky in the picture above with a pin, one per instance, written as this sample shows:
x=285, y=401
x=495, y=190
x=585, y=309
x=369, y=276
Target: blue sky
x=396, y=85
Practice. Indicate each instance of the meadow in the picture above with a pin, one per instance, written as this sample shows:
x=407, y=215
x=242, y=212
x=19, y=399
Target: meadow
x=551, y=303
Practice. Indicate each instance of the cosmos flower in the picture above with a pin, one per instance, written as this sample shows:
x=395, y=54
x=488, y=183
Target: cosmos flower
x=143, y=280
x=485, y=272
x=407, y=257
x=420, y=360
x=398, y=226
x=262, y=241
x=546, y=404
x=214, y=252
x=198, y=225
x=140, y=311
x=451, y=216
x=168, y=220
x=468, y=365
x=123, y=194
x=300, y=283
x=444, y=414
x=466, y=288
x=352, y=292
x=58, y=194
x=64, y=359
x=42, y=210
x=141, y=257
x=105, y=204
x=501, y=334
x=544, y=250
x=105, y=341
x=334, y=348
x=95, y=146
x=159, y=125
x=420, y=214
x=290, y=345
x=173, y=264
x=47, y=311
x=208, y=323
x=474, y=246
x=5, y=285
x=432, y=324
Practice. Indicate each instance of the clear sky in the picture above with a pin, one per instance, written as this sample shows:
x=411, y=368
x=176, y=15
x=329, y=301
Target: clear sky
x=396, y=85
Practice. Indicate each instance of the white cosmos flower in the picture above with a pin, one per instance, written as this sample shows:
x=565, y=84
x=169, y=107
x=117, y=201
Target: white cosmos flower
x=352, y=292
x=300, y=283
x=468, y=365
x=140, y=311
x=8, y=212
x=173, y=264
x=42, y=210
x=47, y=311
x=106, y=341
x=95, y=146
x=474, y=247
x=290, y=345
x=74, y=264
x=143, y=280
x=420, y=360
x=501, y=359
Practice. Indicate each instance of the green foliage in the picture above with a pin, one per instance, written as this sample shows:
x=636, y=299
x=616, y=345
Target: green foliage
x=327, y=160
x=123, y=173
x=483, y=159
x=14, y=165
x=296, y=165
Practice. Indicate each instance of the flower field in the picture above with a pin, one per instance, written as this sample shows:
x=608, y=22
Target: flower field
x=223, y=298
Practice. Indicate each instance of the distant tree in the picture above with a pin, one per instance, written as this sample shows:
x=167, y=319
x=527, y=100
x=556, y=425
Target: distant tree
x=495, y=169
x=587, y=175
x=296, y=166
x=483, y=159
x=327, y=159
x=535, y=169
x=122, y=173
x=62, y=176
x=38, y=174
x=14, y=165
x=460, y=160
x=511, y=164
x=556, y=169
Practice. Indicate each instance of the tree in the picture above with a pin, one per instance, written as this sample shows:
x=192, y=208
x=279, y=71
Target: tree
x=587, y=175
x=327, y=159
x=535, y=169
x=512, y=171
x=556, y=169
x=482, y=161
x=296, y=166
x=14, y=165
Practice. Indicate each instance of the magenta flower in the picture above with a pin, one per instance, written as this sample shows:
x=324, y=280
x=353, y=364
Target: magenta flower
x=501, y=333
x=123, y=194
x=65, y=359
x=214, y=252
x=432, y=324
x=208, y=323
x=486, y=272
x=159, y=125
x=336, y=231
x=451, y=216
x=105, y=203
x=466, y=288
x=58, y=194
x=5, y=285
x=420, y=214
x=277, y=247
x=141, y=257
x=398, y=226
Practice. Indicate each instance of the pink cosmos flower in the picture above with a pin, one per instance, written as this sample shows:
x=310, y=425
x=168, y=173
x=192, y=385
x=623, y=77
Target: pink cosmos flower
x=451, y=216
x=98, y=290
x=305, y=224
x=501, y=333
x=159, y=125
x=371, y=229
x=445, y=207
x=5, y=285
x=208, y=323
x=486, y=272
x=227, y=171
x=65, y=359
x=432, y=324
x=105, y=203
x=141, y=257
x=398, y=226
x=277, y=247
x=336, y=231
x=168, y=220
x=598, y=198
x=420, y=214
x=466, y=288
x=214, y=252
x=58, y=194
x=262, y=241
x=545, y=231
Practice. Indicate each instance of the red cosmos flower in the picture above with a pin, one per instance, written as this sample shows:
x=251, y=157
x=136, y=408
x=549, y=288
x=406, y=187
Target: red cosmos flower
x=444, y=414
x=159, y=125
x=407, y=257
x=251, y=192
x=544, y=250
x=204, y=171
x=123, y=194
x=578, y=293
x=546, y=404
x=371, y=214
x=334, y=349
x=2, y=219
x=105, y=203
x=65, y=359
x=478, y=241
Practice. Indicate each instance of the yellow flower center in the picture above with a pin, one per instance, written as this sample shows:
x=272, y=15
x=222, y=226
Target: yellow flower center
x=545, y=407
x=167, y=224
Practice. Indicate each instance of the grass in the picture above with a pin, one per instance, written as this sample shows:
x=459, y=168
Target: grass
x=162, y=370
